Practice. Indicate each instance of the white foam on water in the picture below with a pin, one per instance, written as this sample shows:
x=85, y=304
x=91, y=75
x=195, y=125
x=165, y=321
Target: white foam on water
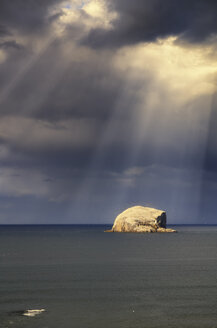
x=32, y=313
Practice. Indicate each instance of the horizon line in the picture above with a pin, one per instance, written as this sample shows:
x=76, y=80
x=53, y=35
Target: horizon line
x=99, y=224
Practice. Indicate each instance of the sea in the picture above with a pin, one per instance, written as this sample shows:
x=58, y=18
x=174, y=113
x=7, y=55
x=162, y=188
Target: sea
x=83, y=277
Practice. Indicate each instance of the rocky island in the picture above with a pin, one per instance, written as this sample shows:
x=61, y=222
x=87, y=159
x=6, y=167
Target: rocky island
x=141, y=219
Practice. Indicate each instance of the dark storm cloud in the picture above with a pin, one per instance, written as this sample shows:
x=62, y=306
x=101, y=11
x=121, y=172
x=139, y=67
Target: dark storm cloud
x=80, y=90
x=3, y=31
x=54, y=88
x=145, y=21
x=26, y=16
x=71, y=123
x=10, y=44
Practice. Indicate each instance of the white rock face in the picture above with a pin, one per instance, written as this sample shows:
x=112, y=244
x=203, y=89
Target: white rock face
x=141, y=219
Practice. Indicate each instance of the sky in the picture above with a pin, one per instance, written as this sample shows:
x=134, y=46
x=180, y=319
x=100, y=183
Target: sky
x=107, y=104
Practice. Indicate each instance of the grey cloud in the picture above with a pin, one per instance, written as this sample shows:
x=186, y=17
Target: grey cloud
x=145, y=21
x=71, y=131
x=4, y=31
x=24, y=15
x=54, y=88
x=10, y=44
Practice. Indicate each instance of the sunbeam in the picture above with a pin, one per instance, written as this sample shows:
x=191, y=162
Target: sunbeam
x=22, y=71
x=166, y=109
x=108, y=104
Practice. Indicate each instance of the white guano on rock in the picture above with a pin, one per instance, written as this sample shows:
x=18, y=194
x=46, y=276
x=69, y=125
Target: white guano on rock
x=141, y=219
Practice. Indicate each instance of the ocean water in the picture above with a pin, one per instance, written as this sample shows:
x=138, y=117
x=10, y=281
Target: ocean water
x=86, y=278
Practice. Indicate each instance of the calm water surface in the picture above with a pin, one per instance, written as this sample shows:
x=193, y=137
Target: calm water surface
x=86, y=278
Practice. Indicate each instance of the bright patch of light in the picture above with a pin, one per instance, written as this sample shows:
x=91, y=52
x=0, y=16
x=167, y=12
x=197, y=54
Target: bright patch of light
x=185, y=71
x=98, y=10
x=97, y=15
x=2, y=56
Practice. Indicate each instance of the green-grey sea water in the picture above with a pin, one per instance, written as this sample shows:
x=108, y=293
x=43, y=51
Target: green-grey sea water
x=86, y=278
